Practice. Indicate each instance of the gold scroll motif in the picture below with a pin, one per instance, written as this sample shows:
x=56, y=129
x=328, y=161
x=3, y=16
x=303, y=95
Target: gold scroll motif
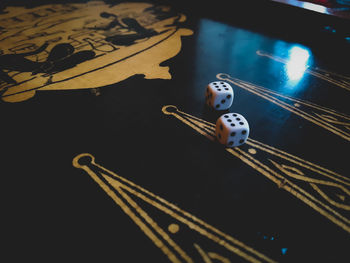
x=321, y=189
x=331, y=120
x=331, y=77
x=142, y=207
x=84, y=46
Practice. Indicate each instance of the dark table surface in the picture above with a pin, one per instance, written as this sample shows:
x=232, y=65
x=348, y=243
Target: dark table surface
x=109, y=151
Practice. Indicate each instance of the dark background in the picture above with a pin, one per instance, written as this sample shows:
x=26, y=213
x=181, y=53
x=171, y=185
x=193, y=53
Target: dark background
x=52, y=211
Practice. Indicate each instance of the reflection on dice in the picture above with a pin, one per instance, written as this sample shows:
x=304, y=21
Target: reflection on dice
x=219, y=95
x=232, y=129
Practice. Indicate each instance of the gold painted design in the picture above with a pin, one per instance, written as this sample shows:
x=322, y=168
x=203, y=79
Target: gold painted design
x=126, y=195
x=204, y=255
x=341, y=197
x=207, y=257
x=218, y=257
x=312, y=184
x=252, y=151
x=334, y=78
x=331, y=120
x=84, y=46
x=173, y=228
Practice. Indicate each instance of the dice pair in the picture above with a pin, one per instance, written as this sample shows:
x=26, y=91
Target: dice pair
x=232, y=129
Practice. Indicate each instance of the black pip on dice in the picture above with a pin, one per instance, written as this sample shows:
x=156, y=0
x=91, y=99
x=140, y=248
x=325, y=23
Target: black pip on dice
x=232, y=129
x=219, y=95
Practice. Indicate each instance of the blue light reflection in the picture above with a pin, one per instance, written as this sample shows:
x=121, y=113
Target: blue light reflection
x=297, y=63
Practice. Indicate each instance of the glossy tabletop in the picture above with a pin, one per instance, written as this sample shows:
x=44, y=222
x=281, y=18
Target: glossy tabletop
x=109, y=152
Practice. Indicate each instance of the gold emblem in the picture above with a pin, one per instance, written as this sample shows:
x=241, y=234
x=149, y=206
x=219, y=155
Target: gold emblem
x=84, y=46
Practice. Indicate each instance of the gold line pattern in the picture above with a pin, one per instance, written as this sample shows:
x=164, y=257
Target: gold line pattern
x=210, y=255
x=202, y=253
x=286, y=171
x=127, y=210
x=121, y=191
x=335, y=122
x=337, y=79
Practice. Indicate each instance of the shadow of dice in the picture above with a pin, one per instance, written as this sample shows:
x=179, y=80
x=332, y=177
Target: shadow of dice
x=232, y=129
x=219, y=95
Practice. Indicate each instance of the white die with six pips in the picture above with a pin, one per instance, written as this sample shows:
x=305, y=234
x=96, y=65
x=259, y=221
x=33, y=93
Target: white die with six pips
x=219, y=95
x=232, y=129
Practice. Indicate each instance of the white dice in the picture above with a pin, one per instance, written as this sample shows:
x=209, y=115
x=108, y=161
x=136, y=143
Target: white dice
x=232, y=129
x=219, y=95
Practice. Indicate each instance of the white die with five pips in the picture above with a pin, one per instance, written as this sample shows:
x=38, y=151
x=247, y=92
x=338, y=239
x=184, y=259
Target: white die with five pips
x=232, y=129
x=219, y=95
